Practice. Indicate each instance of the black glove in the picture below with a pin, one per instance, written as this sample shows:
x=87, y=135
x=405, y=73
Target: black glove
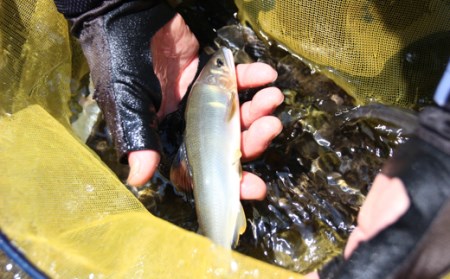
x=115, y=37
x=418, y=244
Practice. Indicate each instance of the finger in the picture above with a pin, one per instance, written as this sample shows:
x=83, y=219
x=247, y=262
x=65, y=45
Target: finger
x=356, y=237
x=254, y=75
x=143, y=164
x=252, y=187
x=256, y=139
x=174, y=51
x=385, y=203
x=263, y=103
x=312, y=275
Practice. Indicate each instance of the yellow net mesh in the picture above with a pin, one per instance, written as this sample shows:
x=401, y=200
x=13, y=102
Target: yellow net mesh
x=59, y=204
x=388, y=51
x=35, y=60
x=72, y=217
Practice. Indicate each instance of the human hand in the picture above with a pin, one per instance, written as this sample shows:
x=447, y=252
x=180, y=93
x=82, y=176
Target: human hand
x=115, y=38
x=385, y=203
x=402, y=226
x=129, y=77
x=175, y=49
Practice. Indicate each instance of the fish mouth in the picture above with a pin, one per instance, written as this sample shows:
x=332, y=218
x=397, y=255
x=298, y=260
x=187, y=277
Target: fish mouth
x=229, y=59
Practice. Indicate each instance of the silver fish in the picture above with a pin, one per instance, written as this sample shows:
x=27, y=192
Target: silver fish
x=209, y=159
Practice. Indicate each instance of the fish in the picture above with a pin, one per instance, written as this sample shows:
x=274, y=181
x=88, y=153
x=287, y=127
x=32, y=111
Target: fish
x=209, y=158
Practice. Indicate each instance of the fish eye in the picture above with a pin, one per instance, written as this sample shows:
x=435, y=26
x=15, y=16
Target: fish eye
x=219, y=62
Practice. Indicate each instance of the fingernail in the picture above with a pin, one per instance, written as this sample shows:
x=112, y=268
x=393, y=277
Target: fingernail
x=276, y=76
x=281, y=99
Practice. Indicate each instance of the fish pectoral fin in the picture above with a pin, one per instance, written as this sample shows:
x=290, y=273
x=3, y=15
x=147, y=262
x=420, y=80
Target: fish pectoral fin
x=241, y=226
x=237, y=157
x=237, y=161
x=180, y=173
x=233, y=107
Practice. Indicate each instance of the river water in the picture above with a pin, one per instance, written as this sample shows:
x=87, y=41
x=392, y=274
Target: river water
x=317, y=171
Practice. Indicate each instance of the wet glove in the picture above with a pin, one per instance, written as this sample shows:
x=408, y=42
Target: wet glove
x=417, y=245
x=115, y=37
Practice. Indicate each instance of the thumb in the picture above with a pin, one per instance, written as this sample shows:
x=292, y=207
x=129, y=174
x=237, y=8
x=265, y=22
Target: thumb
x=143, y=164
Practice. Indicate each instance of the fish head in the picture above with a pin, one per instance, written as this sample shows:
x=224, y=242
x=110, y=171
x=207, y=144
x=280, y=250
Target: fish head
x=220, y=71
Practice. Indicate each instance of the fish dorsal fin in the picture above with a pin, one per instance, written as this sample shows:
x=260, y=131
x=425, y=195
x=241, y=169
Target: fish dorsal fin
x=180, y=172
x=241, y=226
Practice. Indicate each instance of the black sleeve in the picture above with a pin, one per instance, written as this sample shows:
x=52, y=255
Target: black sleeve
x=78, y=12
x=74, y=8
x=415, y=246
x=435, y=121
